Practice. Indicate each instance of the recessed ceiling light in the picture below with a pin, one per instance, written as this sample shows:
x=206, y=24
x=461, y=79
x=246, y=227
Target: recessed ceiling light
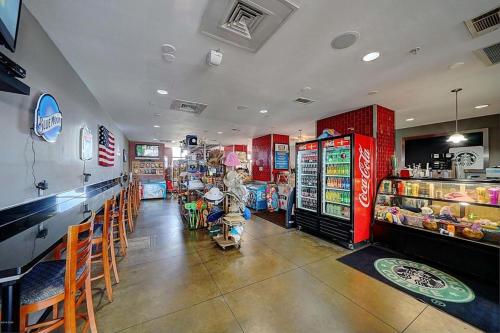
x=155, y=139
x=373, y=92
x=371, y=56
x=410, y=119
x=168, y=48
x=220, y=132
x=482, y=106
x=156, y=126
x=456, y=65
x=263, y=111
x=173, y=141
x=415, y=50
x=156, y=114
x=168, y=57
x=162, y=92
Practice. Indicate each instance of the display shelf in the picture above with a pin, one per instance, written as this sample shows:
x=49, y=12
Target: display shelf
x=442, y=199
x=145, y=168
x=337, y=189
x=463, y=218
x=449, y=180
x=338, y=203
x=333, y=163
x=311, y=186
x=417, y=229
x=339, y=217
x=345, y=176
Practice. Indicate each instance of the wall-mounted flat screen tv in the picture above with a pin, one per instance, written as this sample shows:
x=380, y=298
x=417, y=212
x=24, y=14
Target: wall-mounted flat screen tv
x=146, y=151
x=10, y=11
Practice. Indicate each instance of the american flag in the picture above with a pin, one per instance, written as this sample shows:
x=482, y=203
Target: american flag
x=106, y=147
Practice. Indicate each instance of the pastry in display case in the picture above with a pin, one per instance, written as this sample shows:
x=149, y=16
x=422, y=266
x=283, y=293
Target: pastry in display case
x=463, y=209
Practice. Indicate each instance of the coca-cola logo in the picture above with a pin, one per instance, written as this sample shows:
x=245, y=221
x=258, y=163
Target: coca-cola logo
x=364, y=165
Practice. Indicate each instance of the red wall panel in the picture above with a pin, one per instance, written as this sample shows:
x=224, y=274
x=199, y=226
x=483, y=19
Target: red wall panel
x=262, y=150
x=385, y=141
x=261, y=158
x=357, y=121
x=235, y=148
x=278, y=138
x=361, y=121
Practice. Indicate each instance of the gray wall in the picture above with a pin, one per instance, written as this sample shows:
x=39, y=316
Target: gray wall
x=491, y=122
x=58, y=163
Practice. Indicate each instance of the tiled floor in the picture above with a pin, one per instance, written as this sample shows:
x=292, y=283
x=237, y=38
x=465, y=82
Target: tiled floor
x=174, y=280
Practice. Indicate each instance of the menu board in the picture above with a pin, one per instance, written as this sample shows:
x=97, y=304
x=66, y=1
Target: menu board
x=281, y=156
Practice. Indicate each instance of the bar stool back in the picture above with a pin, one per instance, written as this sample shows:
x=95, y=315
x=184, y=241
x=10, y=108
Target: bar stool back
x=103, y=249
x=51, y=282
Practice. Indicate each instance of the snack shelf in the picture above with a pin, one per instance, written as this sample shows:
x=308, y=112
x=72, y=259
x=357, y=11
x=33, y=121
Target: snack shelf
x=337, y=189
x=338, y=203
x=441, y=199
x=417, y=229
x=463, y=210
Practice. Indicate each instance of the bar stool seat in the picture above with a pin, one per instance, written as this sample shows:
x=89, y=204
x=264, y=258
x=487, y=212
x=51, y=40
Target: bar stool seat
x=44, y=281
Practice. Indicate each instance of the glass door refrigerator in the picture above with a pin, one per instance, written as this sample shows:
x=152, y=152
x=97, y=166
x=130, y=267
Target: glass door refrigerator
x=347, y=185
x=306, y=205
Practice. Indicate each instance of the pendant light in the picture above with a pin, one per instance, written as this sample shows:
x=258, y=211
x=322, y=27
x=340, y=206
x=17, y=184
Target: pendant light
x=456, y=137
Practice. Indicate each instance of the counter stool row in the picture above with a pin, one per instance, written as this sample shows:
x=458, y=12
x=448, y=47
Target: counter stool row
x=69, y=280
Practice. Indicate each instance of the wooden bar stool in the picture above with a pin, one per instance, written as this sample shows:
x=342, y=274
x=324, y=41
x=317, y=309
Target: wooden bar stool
x=52, y=282
x=119, y=229
x=126, y=208
x=138, y=194
x=103, y=249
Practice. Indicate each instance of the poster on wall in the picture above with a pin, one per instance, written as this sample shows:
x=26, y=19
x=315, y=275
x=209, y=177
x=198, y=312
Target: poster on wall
x=470, y=158
x=106, y=147
x=281, y=156
x=86, y=144
x=47, y=118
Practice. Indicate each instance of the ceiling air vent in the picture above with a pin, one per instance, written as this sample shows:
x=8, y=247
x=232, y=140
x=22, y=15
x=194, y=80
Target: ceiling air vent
x=243, y=19
x=245, y=23
x=188, y=107
x=304, y=100
x=489, y=55
x=485, y=23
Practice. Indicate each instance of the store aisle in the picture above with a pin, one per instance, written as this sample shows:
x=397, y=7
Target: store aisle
x=280, y=280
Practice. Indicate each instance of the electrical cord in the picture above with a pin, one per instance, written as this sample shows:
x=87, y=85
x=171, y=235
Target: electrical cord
x=34, y=158
x=84, y=164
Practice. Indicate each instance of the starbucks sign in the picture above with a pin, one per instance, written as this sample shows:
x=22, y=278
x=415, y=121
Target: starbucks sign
x=424, y=280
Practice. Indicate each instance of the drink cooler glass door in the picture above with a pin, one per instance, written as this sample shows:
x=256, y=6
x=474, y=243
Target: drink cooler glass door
x=307, y=187
x=336, y=180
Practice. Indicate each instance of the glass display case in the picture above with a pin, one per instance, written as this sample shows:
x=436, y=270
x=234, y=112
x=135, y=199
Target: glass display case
x=336, y=178
x=463, y=209
x=307, y=176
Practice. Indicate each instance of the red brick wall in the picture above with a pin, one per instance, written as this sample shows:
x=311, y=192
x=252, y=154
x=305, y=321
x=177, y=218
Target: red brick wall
x=361, y=121
x=385, y=141
x=357, y=121
x=261, y=158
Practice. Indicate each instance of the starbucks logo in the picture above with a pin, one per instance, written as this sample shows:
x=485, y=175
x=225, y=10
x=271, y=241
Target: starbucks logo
x=424, y=280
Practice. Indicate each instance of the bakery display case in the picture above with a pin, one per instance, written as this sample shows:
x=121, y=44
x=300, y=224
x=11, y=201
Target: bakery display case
x=461, y=209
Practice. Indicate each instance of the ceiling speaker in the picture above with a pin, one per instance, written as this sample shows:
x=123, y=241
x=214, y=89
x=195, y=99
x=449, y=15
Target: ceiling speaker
x=191, y=140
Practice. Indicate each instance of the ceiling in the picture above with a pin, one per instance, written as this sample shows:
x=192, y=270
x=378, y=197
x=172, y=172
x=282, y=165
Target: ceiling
x=115, y=47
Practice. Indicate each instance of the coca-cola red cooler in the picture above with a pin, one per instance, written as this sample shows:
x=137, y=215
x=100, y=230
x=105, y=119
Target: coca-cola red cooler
x=346, y=188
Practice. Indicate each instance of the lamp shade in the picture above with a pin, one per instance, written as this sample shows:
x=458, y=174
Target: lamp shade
x=456, y=138
x=232, y=160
